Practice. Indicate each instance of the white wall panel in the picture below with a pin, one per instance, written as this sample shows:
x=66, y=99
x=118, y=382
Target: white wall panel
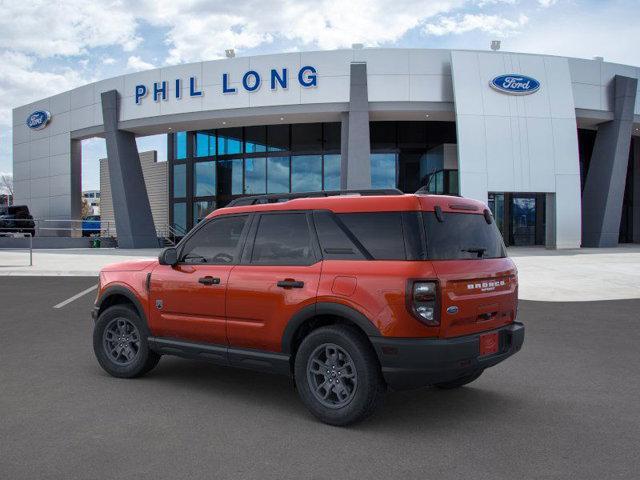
x=519, y=143
x=384, y=61
x=430, y=88
x=388, y=88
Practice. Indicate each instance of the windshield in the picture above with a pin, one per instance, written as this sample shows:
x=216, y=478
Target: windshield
x=462, y=236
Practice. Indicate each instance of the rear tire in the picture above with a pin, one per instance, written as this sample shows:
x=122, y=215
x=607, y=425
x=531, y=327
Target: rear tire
x=338, y=376
x=120, y=343
x=460, y=381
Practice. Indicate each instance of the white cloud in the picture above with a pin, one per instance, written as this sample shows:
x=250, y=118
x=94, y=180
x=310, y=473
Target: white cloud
x=45, y=28
x=135, y=63
x=326, y=24
x=108, y=61
x=547, y=3
x=21, y=83
x=491, y=24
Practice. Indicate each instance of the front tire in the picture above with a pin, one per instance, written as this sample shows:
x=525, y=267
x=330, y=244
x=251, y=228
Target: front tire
x=338, y=376
x=120, y=343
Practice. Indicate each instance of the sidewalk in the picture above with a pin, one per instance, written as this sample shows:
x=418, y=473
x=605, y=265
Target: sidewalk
x=546, y=275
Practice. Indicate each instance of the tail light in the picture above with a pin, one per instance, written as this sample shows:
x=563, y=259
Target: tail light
x=423, y=302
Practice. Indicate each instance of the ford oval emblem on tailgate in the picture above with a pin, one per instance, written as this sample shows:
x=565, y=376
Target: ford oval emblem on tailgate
x=452, y=310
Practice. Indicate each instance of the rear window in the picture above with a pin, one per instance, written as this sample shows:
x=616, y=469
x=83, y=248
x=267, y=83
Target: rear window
x=462, y=236
x=380, y=233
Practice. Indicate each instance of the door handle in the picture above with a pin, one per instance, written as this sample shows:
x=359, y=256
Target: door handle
x=290, y=284
x=209, y=280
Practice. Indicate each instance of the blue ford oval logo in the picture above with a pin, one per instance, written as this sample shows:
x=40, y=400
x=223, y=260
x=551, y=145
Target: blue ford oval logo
x=38, y=119
x=515, y=84
x=452, y=310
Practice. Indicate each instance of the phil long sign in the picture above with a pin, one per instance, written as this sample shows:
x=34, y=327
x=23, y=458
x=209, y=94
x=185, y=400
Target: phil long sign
x=515, y=84
x=250, y=81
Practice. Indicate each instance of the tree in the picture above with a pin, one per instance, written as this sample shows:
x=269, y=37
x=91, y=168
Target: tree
x=6, y=186
x=86, y=208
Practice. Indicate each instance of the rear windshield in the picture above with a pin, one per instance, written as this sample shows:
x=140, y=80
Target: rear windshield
x=462, y=236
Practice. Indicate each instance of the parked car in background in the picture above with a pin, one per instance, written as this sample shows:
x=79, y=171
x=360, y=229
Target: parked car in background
x=17, y=219
x=91, y=225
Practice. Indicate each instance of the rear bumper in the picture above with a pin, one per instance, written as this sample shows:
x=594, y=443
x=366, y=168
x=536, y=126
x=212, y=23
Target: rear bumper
x=412, y=362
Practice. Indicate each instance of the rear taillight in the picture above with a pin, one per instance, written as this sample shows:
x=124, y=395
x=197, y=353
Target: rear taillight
x=423, y=302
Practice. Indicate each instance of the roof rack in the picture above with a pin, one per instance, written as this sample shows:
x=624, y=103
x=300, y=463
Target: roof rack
x=284, y=197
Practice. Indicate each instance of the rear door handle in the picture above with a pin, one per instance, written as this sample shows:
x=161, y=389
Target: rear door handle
x=290, y=284
x=208, y=280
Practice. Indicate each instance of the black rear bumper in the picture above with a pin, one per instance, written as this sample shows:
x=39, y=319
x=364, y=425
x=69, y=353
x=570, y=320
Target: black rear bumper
x=412, y=362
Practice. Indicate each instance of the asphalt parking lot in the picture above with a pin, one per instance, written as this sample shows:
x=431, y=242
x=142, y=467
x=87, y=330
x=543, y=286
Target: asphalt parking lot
x=567, y=406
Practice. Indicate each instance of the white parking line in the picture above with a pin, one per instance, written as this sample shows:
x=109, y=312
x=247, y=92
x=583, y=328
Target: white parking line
x=75, y=297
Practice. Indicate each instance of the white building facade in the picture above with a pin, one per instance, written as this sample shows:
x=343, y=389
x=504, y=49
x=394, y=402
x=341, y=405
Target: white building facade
x=550, y=143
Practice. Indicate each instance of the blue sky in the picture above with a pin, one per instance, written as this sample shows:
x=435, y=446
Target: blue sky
x=49, y=48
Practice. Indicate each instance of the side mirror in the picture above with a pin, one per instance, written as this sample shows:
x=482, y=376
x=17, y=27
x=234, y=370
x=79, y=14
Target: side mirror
x=168, y=256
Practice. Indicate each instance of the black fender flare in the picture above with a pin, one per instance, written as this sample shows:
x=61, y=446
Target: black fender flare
x=325, y=308
x=125, y=292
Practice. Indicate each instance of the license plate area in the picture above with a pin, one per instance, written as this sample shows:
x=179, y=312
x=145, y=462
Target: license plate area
x=489, y=343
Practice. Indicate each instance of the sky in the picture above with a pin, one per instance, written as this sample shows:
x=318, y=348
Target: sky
x=48, y=47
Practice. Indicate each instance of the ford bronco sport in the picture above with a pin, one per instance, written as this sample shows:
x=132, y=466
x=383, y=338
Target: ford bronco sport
x=347, y=292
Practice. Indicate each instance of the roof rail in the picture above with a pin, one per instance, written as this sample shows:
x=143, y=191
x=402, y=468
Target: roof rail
x=284, y=197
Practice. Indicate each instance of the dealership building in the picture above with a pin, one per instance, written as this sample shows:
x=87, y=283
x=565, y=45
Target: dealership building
x=550, y=143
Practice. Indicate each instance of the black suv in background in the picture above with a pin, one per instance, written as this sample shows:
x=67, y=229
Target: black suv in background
x=17, y=219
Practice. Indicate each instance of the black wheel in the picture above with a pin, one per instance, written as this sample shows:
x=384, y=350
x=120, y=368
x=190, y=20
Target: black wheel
x=460, y=381
x=120, y=343
x=338, y=376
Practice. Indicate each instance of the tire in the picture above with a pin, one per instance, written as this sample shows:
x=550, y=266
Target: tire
x=460, y=381
x=131, y=358
x=354, y=390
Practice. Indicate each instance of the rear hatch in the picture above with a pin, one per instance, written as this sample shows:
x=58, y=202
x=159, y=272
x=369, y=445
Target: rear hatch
x=478, y=283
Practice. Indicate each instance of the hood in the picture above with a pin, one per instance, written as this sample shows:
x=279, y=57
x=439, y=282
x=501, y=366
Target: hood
x=130, y=265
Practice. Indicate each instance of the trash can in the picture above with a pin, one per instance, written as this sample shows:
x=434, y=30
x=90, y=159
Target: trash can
x=95, y=243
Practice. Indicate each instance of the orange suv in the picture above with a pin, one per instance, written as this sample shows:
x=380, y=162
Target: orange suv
x=349, y=293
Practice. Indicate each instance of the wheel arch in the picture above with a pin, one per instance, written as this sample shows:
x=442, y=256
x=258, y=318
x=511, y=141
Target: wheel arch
x=320, y=314
x=118, y=295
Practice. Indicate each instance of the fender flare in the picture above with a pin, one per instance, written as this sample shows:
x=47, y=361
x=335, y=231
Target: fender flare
x=325, y=308
x=125, y=292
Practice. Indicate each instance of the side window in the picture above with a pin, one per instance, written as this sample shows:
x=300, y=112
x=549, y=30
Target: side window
x=334, y=241
x=216, y=242
x=380, y=233
x=283, y=239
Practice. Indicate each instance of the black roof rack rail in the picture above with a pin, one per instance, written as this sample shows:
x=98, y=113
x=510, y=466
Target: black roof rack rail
x=284, y=197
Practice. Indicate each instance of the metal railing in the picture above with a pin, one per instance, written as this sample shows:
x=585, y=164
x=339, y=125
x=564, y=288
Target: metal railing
x=20, y=235
x=52, y=228
x=171, y=232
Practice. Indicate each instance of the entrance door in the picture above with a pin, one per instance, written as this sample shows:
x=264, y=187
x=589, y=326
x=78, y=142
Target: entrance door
x=523, y=220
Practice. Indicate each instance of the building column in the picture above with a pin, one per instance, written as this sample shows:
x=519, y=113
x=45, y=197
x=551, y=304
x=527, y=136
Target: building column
x=356, y=149
x=131, y=207
x=604, y=187
x=636, y=190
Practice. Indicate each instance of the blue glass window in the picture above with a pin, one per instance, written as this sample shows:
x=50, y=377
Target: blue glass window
x=205, y=144
x=306, y=173
x=204, y=179
x=180, y=180
x=201, y=209
x=230, y=177
x=255, y=139
x=180, y=216
x=255, y=175
x=180, y=146
x=332, y=172
x=384, y=170
x=229, y=141
x=278, y=137
x=278, y=174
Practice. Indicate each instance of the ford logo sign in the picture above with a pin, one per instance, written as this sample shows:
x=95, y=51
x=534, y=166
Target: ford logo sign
x=515, y=84
x=38, y=119
x=452, y=310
